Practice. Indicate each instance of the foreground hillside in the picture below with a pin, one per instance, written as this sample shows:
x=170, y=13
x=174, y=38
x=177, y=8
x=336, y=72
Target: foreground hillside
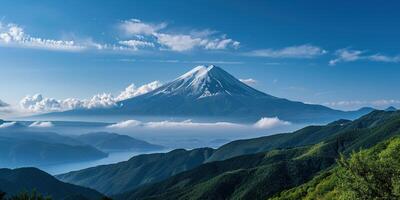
x=13, y=182
x=368, y=174
x=139, y=170
x=263, y=175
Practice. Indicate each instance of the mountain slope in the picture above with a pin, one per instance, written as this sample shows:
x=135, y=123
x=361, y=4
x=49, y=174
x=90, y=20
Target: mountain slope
x=114, y=142
x=139, y=170
x=212, y=92
x=27, y=179
x=306, y=136
x=381, y=163
x=262, y=175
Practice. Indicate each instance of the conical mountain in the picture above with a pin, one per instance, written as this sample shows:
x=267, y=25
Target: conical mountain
x=210, y=91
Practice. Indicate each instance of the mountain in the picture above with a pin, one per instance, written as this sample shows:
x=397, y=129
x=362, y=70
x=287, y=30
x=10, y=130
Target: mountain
x=266, y=174
x=391, y=108
x=15, y=152
x=14, y=181
x=114, y=142
x=20, y=147
x=139, y=170
x=209, y=91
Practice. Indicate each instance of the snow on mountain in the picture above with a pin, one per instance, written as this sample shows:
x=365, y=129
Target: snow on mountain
x=206, y=81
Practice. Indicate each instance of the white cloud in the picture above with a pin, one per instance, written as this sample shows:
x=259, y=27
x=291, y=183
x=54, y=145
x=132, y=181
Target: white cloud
x=132, y=91
x=182, y=42
x=384, y=58
x=39, y=124
x=15, y=36
x=39, y=104
x=136, y=27
x=346, y=55
x=3, y=104
x=100, y=101
x=263, y=123
x=190, y=124
x=221, y=44
x=266, y=123
x=139, y=35
x=178, y=42
x=248, y=81
x=149, y=34
x=172, y=124
x=302, y=51
x=351, y=55
x=136, y=44
x=7, y=124
x=126, y=124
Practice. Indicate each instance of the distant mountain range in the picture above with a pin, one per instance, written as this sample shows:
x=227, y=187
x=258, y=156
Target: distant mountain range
x=106, y=141
x=209, y=91
x=21, y=145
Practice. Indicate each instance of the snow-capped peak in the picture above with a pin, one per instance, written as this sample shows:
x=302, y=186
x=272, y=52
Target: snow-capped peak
x=198, y=71
x=205, y=81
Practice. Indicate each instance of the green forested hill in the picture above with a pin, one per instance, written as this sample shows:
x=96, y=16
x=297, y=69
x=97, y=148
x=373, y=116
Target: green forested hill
x=368, y=174
x=139, y=170
x=263, y=175
x=306, y=136
x=15, y=181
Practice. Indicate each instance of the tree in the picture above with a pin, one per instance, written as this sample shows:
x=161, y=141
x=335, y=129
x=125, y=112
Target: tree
x=371, y=174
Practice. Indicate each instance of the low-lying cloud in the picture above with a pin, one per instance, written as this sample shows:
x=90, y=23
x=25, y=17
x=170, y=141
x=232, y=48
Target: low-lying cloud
x=126, y=124
x=263, y=123
x=40, y=124
x=248, y=81
x=266, y=123
x=8, y=124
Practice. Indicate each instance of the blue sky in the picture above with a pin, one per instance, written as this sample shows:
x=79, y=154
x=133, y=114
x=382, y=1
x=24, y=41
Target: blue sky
x=338, y=53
